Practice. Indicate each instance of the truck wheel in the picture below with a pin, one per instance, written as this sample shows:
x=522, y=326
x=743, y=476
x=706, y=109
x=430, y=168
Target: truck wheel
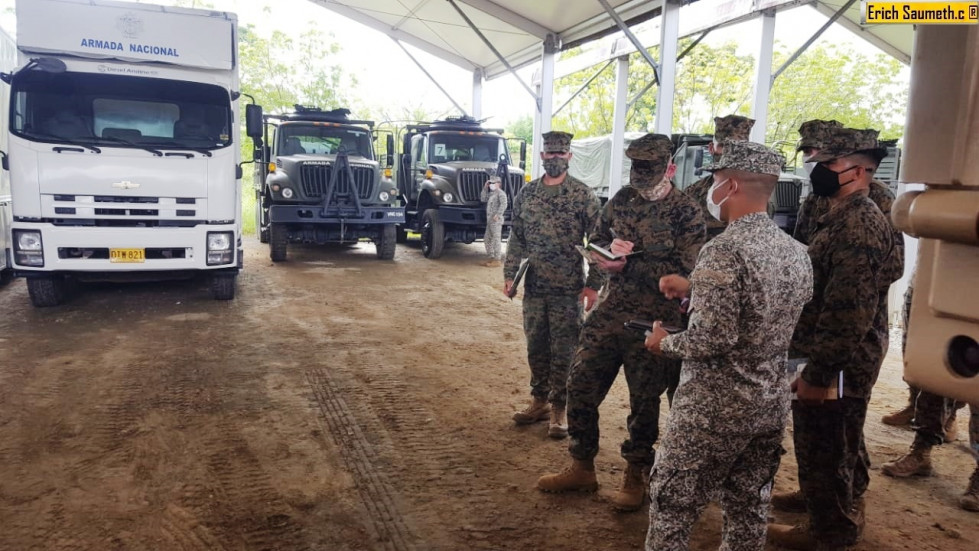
x=262, y=218
x=46, y=291
x=433, y=234
x=278, y=242
x=386, y=242
x=6, y=276
x=401, y=235
x=223, y=286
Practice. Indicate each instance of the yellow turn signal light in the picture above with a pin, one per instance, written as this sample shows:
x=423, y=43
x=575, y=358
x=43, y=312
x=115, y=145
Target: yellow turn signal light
x=526, y=177
x=428, y=174
x=387, y=172
x=271, y=167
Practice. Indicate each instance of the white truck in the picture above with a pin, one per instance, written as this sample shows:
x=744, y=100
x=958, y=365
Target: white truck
x=8, y=59
x=123, y=151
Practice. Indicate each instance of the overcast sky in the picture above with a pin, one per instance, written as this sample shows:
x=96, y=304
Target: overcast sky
x=382, y=69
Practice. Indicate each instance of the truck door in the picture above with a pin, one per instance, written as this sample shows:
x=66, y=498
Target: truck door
x=419, y=162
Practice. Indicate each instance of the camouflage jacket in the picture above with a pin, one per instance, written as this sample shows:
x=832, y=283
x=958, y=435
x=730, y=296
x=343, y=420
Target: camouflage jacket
x=698, y=192
x=546, y=226
x=669, y=234
x=855, y=258
x=496, y=203
x=814, y=206
x=748, y=290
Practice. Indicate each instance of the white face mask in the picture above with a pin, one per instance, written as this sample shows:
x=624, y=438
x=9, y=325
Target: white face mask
x=809, y=167
x=715, y=208
x=494, y=187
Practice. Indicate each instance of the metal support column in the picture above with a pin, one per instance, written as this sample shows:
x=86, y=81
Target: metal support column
x=763, y=77
x=477, y=106
x=545, y=100
x=669, y=32
x=618, y=124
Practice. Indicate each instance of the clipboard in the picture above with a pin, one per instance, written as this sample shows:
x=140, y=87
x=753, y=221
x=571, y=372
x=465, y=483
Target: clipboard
x=794, y=367
x=602, y=251
x=524, y=264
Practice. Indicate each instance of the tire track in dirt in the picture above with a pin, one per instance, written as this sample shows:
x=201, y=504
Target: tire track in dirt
x=377, y=493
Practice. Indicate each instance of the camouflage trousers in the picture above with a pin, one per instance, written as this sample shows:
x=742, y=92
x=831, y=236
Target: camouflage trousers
x=833, y=465
x=603, y=348
x=493, y=240
x=551, y=324
x=741, y=468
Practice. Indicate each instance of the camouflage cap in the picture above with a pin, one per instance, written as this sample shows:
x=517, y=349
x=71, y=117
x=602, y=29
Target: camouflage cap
x=656, y=148
x=815, y=132
x=732, y=127
x=847, y=141
x=749, y=157
x=556, y=142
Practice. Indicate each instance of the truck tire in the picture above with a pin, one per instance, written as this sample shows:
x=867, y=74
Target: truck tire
x=433, y=234
x=386, y=242
x=262, y=218
x=223, y=286
x=6, y=276
x=46, y=291
x=401, y=235
x=278, y=242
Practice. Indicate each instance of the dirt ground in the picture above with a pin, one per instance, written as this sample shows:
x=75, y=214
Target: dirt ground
x=339, y=402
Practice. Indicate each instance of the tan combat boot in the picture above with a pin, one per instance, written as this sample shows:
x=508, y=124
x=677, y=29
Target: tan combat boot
x=970, y=499
x=900, y=418
x=951, y=429
x=538, y=410
x=791, y=537
x=633, y=490
x=789, y=502
x=916, y=463
x=558, y=427
x=580, y=477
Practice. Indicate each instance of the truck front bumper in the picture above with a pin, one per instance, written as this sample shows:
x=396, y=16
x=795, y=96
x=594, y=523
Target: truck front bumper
x=316, y=214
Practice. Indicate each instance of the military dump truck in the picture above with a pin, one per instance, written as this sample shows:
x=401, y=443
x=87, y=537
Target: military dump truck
x=318, y=181
x=442, y=169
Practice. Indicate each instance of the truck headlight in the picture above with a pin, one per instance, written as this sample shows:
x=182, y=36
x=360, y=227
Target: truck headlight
x=287, y=192
x=28, y=248
x=383, y=196
x=447, y=197
x=219, y=248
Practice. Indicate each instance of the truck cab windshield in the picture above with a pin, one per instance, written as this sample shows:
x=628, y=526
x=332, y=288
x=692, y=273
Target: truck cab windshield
x=448, y=147
x=298, y=139
x=120, y=111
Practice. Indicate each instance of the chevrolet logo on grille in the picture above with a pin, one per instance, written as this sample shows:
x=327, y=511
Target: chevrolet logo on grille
x=125, y=184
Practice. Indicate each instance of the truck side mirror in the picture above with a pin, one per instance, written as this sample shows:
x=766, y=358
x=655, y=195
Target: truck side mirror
x=390, y=149
x=523, y=155
x=4, y=162
x=257, y=154
x=253, y=121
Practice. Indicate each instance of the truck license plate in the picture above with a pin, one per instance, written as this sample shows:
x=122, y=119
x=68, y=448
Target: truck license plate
x=127, y=255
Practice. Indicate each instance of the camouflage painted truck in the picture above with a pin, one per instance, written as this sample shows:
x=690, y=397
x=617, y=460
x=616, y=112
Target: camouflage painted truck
x=317, y=180
x=442, y=169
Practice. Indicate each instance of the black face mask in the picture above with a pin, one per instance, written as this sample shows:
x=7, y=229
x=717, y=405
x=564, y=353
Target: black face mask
x=825, y=182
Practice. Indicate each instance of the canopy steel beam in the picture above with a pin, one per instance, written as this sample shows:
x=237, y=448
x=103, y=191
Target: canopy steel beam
x=493, y=49
x=829, y=23
x=408, y=38
x=763, y=77
x=669, y=34
x=510, y=17
x=583, y=87
x=545, y=94
x=632, y=38
x=477, y=106
x=618, y=125
x=429, y=75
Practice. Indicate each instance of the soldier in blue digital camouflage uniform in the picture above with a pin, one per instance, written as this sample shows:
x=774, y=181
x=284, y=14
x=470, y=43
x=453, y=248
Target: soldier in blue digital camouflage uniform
x=666, y=230
x=496, y=204
x=855, y=258
x=725, y=428
x=550, y=216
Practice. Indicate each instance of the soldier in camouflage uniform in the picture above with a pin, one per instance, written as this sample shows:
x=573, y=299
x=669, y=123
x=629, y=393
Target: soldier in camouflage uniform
x=496, y=204
x=728, y=417
x=843, y=328
x=550, y=216
x=731, y=127
x=931, y=422
x=666, y=230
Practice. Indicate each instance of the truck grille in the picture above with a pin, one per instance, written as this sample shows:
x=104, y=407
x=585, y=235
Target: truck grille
x=315, y=179
x=471, y=182
x=118, y=210
x=787, y=195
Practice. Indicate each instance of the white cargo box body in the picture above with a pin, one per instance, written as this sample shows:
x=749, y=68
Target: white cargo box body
x=8, y=60
x=127, y=32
